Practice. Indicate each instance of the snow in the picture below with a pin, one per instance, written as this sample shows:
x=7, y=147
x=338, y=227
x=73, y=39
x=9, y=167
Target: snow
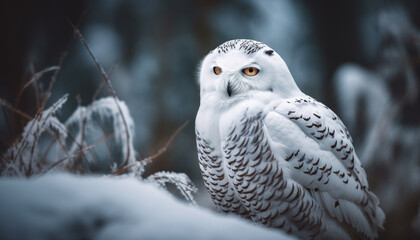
x=63, y=206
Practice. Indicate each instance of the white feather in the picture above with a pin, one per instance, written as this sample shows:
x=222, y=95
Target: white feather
x=284, y=159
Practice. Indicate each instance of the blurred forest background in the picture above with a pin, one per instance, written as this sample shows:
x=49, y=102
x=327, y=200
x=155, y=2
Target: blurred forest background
x=360, y=58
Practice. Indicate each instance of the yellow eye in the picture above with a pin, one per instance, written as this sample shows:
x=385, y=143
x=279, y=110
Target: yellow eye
x=250, y=71
x=217, y=70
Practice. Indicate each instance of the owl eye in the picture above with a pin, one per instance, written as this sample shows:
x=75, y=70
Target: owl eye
x=217, y=70
x=250, y=71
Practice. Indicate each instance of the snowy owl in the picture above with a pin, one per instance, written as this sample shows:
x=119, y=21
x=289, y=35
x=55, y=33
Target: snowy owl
x=273, y=154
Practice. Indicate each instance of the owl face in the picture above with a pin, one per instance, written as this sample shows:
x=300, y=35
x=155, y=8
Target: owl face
x=238, y=68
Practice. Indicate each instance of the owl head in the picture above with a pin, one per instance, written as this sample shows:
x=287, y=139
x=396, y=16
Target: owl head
x=241, y=67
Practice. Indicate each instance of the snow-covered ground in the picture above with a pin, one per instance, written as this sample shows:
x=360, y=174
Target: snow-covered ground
x=64, y=206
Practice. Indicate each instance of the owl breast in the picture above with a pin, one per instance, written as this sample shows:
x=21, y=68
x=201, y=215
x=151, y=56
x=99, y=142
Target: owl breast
x=242, y=175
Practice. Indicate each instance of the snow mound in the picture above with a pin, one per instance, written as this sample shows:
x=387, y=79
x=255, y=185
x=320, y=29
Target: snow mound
x=63, y=206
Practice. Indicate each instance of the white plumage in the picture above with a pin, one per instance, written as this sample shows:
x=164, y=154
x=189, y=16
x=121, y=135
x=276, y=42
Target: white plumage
x=274, y=155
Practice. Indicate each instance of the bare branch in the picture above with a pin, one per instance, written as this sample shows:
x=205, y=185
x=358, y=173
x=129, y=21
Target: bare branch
x=53, y=79
x=95, y=95
x=111, y=90
x=75, y=154
x=147, y=160
x=9, y=106
x=38, y=75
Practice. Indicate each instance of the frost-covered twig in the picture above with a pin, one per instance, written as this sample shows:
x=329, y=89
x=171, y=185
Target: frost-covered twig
x=38, y=75
x=20, y=155
x=95, y=95
x=55, y=124
x=181, y=181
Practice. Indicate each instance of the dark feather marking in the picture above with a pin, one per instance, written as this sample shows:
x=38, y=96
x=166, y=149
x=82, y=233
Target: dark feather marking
x=255, y=150
x=231, y=147
x=269, y=52
x=284, y=221
x=297, y=195
x=289, y=157
x=241, y=175
x=341, y=148
x=265, y=181
x=244, y=143
x=316, y=115
x=299, y=167
x=291, y=192
x=319, y=179
x=251, y=190
x=308, y=170
x=317, y=124
x=322, y=131
x=266, y=169
x=256, y=162
x=271, y=182
x=233, y=130
x=302, y=158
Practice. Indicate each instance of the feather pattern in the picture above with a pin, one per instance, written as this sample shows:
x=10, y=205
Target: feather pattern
x=290, y=181
x=274, y=155
x=332, y=162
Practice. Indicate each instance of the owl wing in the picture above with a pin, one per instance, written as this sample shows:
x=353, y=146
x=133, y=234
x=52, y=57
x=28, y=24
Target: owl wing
x=313, y=143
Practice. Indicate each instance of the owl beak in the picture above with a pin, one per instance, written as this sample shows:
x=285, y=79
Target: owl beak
x=229, y=89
